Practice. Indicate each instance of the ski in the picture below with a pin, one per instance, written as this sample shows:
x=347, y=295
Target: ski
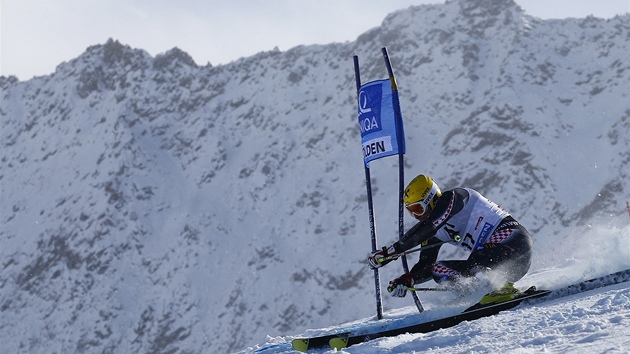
x=304, y=344
x=478, y=311
x=350, y=336
x=472, y=313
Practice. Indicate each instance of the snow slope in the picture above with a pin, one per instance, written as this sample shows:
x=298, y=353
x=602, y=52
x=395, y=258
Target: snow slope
x=594, y=321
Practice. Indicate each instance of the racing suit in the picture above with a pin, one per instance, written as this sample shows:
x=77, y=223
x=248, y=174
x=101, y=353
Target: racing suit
x=462, y=216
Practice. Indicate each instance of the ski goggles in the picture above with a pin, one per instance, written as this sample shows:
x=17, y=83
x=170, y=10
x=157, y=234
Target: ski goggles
x=416, y=209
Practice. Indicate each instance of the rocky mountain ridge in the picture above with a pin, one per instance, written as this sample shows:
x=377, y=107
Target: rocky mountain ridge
x=154, y=205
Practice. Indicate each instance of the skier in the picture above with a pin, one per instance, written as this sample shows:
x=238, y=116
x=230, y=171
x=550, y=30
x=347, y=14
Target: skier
x=461, y=216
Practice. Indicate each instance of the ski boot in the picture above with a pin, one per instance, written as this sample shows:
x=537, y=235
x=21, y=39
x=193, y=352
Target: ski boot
x=506, y=293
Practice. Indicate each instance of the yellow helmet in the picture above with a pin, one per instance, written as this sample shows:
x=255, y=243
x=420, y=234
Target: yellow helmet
x=420, y=196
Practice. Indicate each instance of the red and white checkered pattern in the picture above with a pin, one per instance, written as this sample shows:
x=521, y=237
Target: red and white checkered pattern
x=441, y=270
x=500, y=236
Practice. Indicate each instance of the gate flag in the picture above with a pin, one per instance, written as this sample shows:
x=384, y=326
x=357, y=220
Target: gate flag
x=380, y=121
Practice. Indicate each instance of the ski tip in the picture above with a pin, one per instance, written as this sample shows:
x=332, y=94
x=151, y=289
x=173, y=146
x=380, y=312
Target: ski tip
x=300, y=344
x=338, y=343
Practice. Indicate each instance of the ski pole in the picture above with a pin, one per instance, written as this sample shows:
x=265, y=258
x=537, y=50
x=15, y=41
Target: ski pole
x=457, y=238
x=411, y=288
x=426, y=289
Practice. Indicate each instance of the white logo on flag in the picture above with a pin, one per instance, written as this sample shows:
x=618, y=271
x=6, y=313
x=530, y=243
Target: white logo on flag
x=363, y=102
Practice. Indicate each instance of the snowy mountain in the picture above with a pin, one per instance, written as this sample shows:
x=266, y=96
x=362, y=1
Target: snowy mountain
x=151, y=205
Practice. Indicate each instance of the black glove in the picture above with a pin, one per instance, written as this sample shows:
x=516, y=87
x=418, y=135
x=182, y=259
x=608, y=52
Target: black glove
x=380, y=258
x=398, y=287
